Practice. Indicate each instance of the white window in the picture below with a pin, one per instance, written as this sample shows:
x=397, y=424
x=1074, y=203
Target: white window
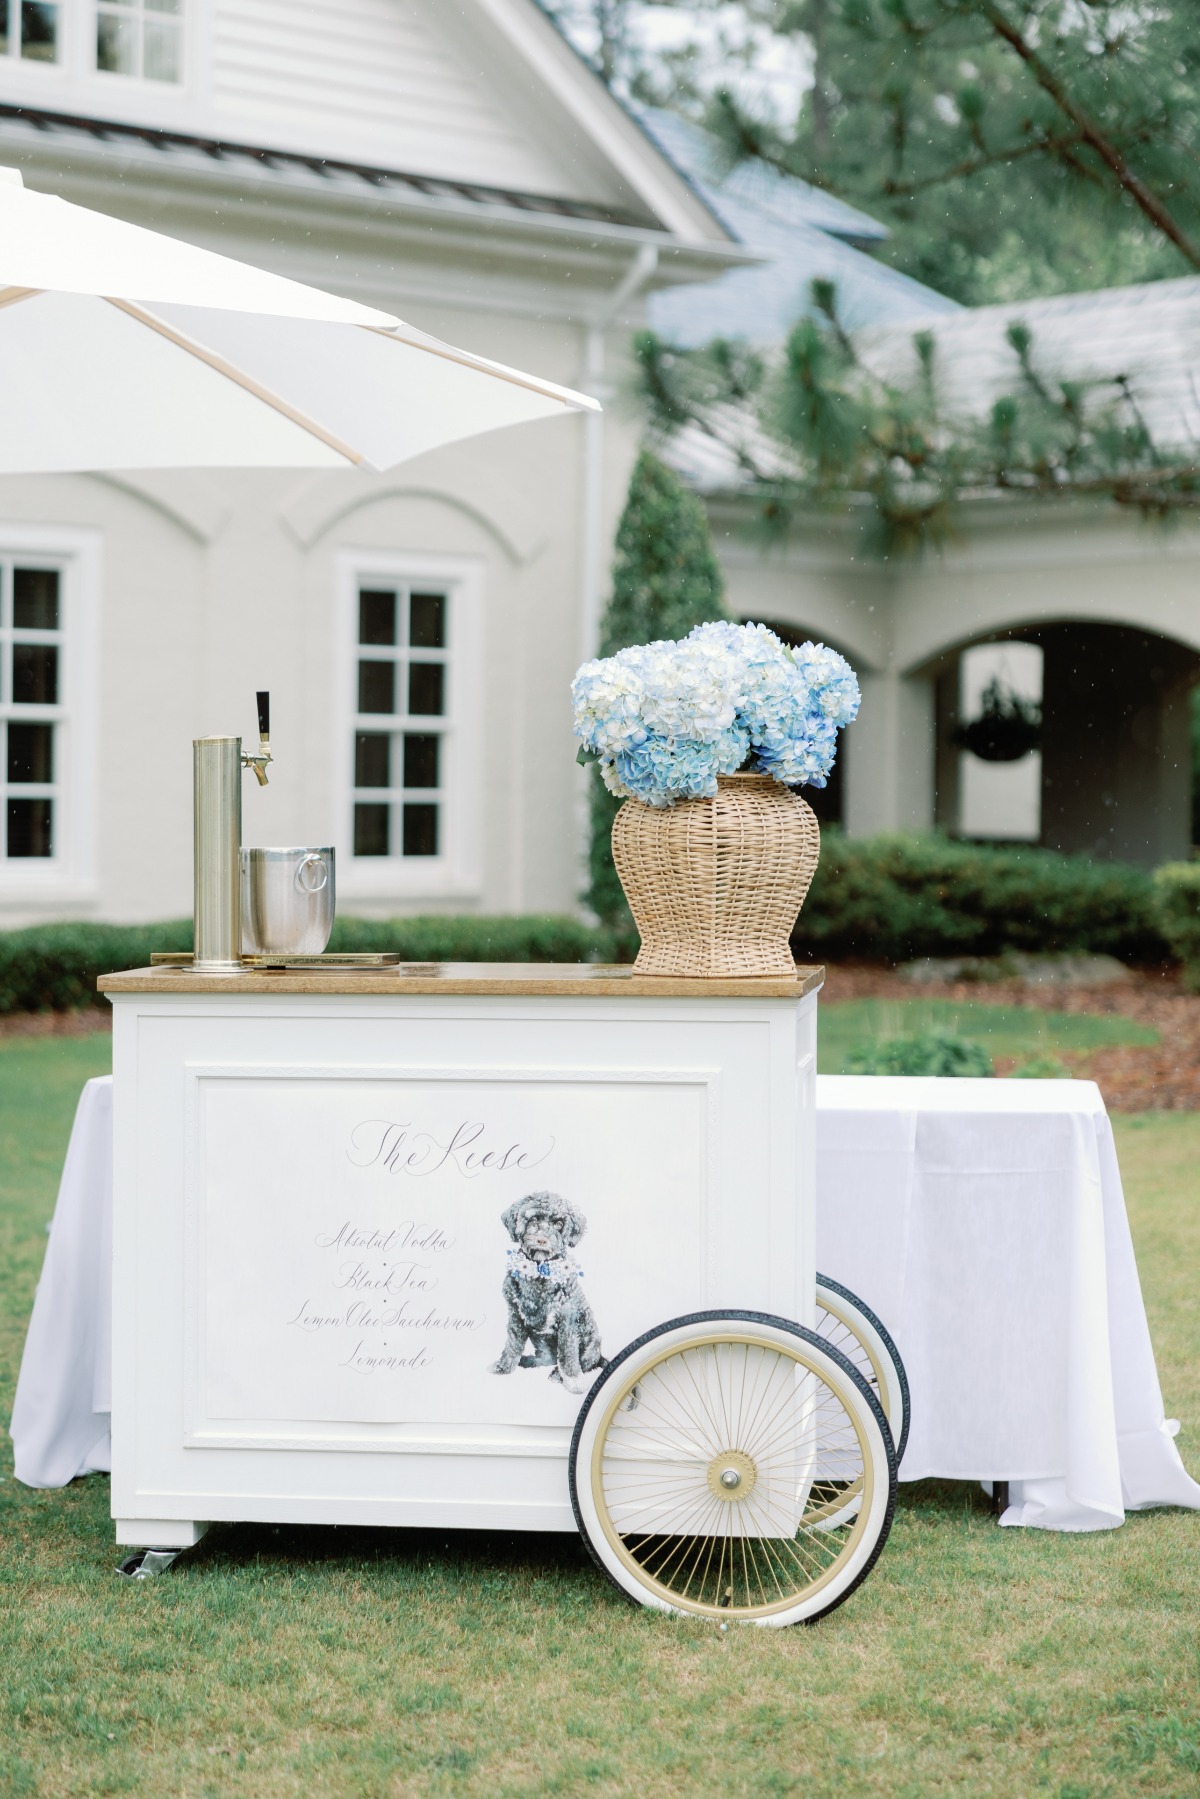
x=31, y=674
x=140, y=38
x=29, y=29
x=47, y=677
x=412, y=713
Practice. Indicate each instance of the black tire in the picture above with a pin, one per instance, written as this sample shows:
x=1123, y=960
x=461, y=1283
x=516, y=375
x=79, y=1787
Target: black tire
x=900, y=1415
x=875, y=1528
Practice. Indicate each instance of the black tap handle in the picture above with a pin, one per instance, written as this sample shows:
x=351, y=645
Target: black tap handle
x=264, y=716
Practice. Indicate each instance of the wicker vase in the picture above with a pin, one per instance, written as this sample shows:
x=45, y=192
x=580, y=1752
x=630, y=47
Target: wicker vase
x=715, y=885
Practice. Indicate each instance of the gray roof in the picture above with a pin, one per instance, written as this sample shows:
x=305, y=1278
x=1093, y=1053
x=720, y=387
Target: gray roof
x=755, y=186
x=1149, y=334
x=26, y=127
x=800, y=232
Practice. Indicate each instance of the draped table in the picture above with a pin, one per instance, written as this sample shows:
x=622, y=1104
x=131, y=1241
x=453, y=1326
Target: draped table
x=982, y=1220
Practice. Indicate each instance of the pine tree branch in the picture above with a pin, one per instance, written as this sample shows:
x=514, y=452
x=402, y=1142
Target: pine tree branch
x=1049, y=145
x=1142, y=196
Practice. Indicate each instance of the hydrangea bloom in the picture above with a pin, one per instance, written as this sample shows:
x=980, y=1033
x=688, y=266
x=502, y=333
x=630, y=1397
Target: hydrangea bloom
x=665, y=719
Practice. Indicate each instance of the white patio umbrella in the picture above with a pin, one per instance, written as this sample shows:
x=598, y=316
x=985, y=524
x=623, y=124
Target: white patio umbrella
x=121, y=348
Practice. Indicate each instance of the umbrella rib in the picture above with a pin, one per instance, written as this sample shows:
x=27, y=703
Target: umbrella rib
x=497, y=370
x=232, y=373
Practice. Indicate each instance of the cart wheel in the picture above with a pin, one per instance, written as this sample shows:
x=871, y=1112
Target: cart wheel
x=849, y=1325
x=733, y=1466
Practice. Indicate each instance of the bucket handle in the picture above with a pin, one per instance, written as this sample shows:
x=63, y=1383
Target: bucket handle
x=307, y=886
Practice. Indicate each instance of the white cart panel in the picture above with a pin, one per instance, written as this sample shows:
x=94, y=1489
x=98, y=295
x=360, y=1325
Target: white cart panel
x=310, y=1245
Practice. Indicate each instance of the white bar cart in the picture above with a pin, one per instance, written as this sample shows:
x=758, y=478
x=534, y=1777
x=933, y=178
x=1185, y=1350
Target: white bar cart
x=493, y=1246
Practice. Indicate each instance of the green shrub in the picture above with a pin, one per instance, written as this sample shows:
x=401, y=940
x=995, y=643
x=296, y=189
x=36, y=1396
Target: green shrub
x=1041, y=1068
x=1177, y=907
x=883, y=898
x=896, y=898
x=926, y=1052
x=520, y=937
x=666, y=579
x=55, y=967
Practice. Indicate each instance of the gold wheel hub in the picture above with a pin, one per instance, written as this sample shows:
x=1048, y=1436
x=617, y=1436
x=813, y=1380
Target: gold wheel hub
x=732, y=1475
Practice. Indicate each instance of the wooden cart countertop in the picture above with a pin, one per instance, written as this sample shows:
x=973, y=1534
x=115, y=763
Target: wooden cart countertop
x=570, y=980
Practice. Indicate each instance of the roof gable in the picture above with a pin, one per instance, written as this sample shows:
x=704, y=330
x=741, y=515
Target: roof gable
x=403, y=84
x=483, y=92
x=754, y=187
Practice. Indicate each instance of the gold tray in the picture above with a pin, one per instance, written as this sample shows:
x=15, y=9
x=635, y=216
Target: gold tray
x=348, y=959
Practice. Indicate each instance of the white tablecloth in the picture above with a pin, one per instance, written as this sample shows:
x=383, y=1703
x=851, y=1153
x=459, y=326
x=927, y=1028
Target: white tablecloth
x=982, y=1220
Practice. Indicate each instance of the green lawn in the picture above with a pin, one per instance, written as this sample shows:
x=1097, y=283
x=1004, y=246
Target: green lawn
x=357, y=1663
x=1004, y=1030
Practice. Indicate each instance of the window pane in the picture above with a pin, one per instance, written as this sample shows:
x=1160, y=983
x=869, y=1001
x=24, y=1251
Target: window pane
x=171, y=6
x=39, y=43
x=30, y=753
x=421, y=761
x=35, y=674
x=160, y=50
x=426, y=688
x=372, y=759
x=29, y=827
x=376, y=616
x=377, y=686
x=420, y=830
x=116, y=44
x=3, y=27
x=370, y=830
x=427, y=621
x=35, y=599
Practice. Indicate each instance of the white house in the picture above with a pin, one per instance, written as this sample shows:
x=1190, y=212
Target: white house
x=456, y=163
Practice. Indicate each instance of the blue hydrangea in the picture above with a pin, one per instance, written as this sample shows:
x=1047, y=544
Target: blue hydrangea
x=665, y=719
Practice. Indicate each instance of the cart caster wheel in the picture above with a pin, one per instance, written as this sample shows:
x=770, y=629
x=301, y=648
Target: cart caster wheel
x=849, y=1325
x=754, y=1482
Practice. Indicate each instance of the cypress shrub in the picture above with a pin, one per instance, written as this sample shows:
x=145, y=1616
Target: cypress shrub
x=666, y=580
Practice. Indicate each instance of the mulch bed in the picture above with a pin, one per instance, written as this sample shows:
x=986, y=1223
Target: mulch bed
x=1161, y=1077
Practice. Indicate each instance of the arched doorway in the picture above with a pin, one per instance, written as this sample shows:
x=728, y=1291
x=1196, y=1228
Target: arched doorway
x=1116, y=755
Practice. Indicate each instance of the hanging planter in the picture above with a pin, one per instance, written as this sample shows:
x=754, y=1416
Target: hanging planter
x=1006, y=729
x=705, y=739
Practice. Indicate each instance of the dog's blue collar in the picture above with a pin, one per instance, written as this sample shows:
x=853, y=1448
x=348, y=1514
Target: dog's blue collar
x=562, y=1269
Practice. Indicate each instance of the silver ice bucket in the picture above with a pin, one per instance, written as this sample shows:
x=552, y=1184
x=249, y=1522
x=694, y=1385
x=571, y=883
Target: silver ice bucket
x=287, y=901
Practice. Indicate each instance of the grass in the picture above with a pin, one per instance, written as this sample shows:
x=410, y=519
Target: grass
x=281, y=1662
x=1018, y=1031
